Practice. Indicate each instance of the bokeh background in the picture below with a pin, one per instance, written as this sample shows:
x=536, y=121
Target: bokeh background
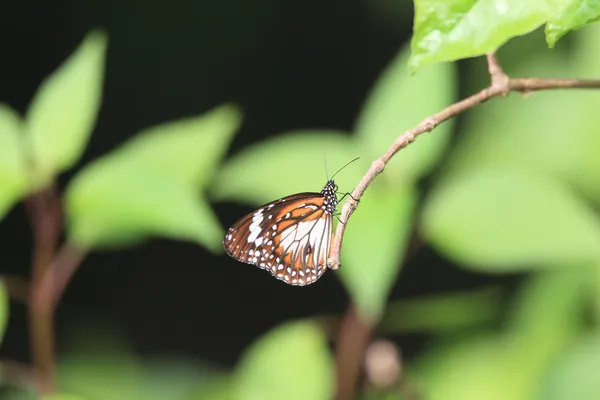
x=290, y=66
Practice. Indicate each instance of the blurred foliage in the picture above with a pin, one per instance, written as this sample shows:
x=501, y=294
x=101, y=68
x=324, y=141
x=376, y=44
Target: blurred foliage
x=63, y=112
x=519, y=192
x=13, y=179
x=150, y=185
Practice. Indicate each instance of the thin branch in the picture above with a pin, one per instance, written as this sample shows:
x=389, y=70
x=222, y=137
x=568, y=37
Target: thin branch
x=352, y=341
x=56, y=277
x=497, y=76
x=45, y=213
x=501, y=85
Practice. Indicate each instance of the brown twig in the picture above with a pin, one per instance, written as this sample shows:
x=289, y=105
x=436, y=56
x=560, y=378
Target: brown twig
x=50, y=275
x=500, y=85
x=46, y=218
x=352, y=341
x=56, y=277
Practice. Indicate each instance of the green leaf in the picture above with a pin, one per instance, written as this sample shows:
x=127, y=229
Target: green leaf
x=152, y=185
x=374, y=246
x=63, y=396
x=217, y=388
x=578, y=14
x=170, y=378
x=291, y=362
x=287, y=164
x=443, y=314
x=398, y=102
x=456, y=29
x=13, y=173
x=505, y=218
x=63, y=113
x=575, y=374
x=549, y=312
x=4, y=309
x=100, y=365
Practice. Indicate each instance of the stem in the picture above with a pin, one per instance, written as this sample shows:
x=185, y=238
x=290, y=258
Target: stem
x=352, y=341
x=46, y=218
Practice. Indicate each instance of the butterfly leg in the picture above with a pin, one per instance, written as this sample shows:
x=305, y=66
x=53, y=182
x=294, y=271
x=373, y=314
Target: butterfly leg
x=338, y=218
x=348, y=194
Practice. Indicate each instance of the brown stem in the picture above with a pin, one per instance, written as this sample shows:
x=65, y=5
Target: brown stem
x=351, y=344
x=46, y=218
x=55, y=279
x=500, y=85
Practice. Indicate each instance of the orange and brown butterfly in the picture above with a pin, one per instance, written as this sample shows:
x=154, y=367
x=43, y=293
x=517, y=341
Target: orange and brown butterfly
x=290, y=237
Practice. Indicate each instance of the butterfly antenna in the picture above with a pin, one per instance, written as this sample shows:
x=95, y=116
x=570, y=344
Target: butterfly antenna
x=325, y=162
x=343, y=167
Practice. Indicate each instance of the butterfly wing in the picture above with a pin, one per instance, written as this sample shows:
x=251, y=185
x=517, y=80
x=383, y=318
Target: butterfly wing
x=290, y=238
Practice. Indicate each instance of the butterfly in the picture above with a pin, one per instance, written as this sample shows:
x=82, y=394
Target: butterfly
x=290, y=237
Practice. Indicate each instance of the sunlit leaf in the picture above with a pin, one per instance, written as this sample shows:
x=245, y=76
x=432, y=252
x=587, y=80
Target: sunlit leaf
x=288, y=164
x=374, y=246
x=578, y=14
x=291, y=362
x=398, y=102
x=153, y=184
x=501, y=218
x=63, y=113
x=13, y=177
x=456, y=29
x=574, y=375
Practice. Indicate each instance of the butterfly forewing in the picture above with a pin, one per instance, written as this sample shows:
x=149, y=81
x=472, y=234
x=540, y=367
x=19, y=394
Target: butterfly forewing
x=290, y=237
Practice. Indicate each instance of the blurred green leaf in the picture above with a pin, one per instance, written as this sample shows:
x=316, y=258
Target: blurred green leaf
x=456, y=29
x=399, y=101
x=217, y=388
x=480, y=367
x=549, y=310
x=287, y=164
x=574, y=375
x=374, y=246
x=505, y=218
x=4, y=309
x=584, y=52
x=444, y=313
x=63, y=396
x=98, y=363
x=13, y=177
x=167, y=378
x=578, y=14
x=63, y=113
x=291, y=362
x=152, y=185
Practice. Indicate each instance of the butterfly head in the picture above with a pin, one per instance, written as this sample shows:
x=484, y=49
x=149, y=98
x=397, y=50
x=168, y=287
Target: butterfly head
x=329, y=193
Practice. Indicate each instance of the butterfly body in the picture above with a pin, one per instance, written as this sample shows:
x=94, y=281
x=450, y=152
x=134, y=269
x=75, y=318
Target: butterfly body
x=290, y=237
